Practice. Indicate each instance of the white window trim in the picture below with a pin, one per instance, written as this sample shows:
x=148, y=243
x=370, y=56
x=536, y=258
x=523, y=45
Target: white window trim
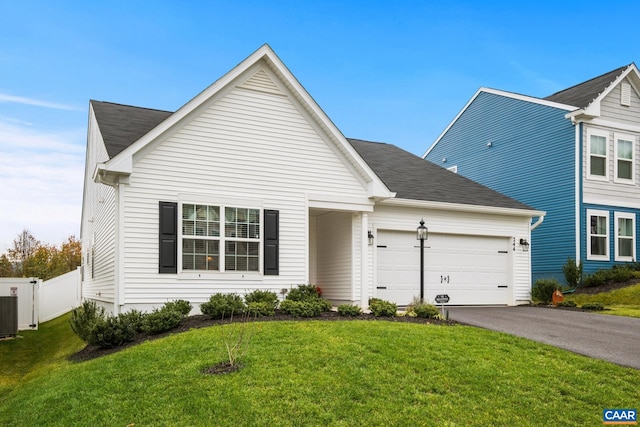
x=590, y=257
x=453, y=168
x=606, y=161
x=221, y=239
x=625, y=137
x=632, y=217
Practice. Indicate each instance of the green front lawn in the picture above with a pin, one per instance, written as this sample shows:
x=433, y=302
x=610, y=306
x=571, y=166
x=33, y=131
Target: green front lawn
x=621, y=302
x=340, y=373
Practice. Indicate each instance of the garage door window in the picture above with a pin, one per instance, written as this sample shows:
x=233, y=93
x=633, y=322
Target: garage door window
x=598, y=235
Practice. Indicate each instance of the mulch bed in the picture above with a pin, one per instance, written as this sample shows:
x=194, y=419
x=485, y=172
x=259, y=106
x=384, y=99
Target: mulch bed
x=203, y=321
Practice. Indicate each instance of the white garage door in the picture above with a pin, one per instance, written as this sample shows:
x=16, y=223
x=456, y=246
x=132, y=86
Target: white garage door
x=471, y=270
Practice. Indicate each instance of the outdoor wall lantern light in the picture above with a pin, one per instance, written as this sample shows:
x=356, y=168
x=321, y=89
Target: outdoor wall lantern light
x=525, y=245
x=422, y=234
x=370, y=237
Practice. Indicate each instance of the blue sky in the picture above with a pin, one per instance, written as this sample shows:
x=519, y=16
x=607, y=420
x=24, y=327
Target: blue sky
x=390, y=71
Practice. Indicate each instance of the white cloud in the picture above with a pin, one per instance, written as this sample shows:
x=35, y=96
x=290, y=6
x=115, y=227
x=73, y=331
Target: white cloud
x=13, y=99
x=41, y=178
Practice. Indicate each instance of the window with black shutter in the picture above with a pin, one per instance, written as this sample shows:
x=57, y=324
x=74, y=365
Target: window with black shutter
x=271, y=243
x=168, y=255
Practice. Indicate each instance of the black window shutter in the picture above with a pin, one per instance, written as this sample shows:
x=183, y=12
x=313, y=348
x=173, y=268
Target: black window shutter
x=271, y=242
x=168, y=255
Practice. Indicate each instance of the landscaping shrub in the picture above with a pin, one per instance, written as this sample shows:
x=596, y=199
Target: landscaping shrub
x=349, y=310
x=567, y=303
x=111, y=331
x=135, y=317
x=593, y=306
x=381, y=308
x=619, y=273
x=223, y=305
x=258, y=296
x=304, y=293
x=543, y=290
x=162, y=320
x=311, y=308
x=261, y=308
x=426, y=311
x=181, y=306
x=84, y=318
x=572, y=272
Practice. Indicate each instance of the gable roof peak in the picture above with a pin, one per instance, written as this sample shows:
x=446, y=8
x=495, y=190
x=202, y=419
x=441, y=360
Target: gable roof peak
x=583, y=94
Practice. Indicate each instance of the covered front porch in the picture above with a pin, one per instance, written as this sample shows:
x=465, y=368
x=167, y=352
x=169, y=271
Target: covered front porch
x=337, y=241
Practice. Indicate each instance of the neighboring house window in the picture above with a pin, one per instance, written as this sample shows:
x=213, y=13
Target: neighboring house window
x=625, y=236
x=598, y=235
x=597, y=155
x=624, y=165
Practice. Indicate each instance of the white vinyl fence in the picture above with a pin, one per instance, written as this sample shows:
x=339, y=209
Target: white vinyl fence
x=40, y=301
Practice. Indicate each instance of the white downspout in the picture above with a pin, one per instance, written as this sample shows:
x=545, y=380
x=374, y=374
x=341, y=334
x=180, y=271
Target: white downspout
x=578, y=179
x=537, y=223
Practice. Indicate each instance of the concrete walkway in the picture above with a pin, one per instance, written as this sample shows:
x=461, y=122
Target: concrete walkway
x=612, y=338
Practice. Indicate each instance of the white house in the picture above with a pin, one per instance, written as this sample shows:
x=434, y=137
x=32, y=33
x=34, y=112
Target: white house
x=251, y=186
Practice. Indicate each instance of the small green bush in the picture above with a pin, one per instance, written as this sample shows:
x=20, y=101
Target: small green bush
x=426, y=311
x=223, y=305
x=312, y=308
x=162, y=320
x=260, y=308
x=111, y=331
x=84, y=318
x=135, y=317
x=181, y=306
x=543, y=290
x=381, y=308
x=572, y=272
x=619, y=273
x=567, y=303
x=593, y=306
x=304, y=293
x=262, y=296
x=349, y=310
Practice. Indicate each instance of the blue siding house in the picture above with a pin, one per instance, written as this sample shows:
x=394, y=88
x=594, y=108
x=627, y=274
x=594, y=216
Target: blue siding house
x=573, y=154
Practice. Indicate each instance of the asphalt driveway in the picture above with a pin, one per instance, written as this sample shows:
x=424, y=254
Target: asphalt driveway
x=612, y=338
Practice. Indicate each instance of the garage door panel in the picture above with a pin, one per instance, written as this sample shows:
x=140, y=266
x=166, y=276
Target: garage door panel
x=470, y=269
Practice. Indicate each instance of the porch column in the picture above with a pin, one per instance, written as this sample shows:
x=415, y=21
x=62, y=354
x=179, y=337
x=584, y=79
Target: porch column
x=364, y=264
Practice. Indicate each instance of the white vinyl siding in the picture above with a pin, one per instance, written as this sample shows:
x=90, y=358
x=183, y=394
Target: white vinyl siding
x=612, y=109
x=334, y=252
x=624, y=158
x=243, y=148
x=625, y=226
x=98, y=225
x=597, y=235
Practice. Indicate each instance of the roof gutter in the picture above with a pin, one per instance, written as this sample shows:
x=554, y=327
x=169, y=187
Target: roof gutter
x=464, y=208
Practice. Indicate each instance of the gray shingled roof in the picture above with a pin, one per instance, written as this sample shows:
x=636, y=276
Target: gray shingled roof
x=122, y=125
x=412, y=177
x=583, y=94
